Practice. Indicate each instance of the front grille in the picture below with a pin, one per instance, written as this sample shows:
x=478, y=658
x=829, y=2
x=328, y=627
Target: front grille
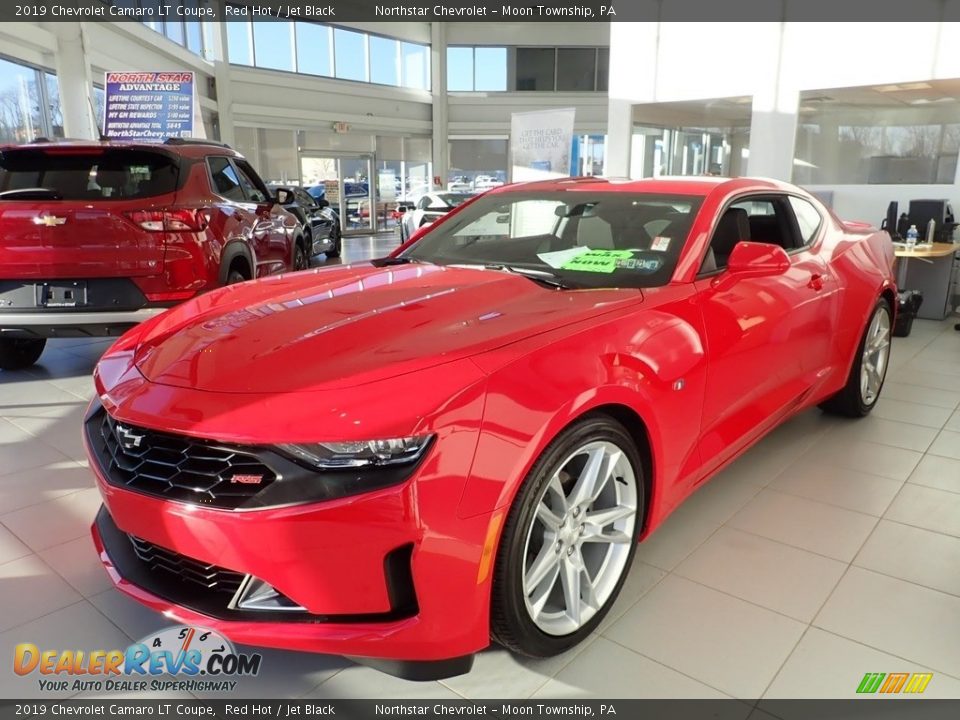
x=177, y=467
x=187, y=570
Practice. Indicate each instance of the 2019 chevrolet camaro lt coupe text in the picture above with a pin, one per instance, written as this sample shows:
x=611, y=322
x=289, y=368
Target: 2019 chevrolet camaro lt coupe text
x=491, y=419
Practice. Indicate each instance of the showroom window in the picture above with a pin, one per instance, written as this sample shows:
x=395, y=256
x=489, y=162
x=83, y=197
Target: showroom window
x=327, y=51
x=186, y=33
x=99, y=101
x=905, y=133
x=536, y=69
x=273, y=44
x=350, y=51
x=496, y=69
x=473, y=159
x=479, y=69
x=29, y=103
x=314, y=49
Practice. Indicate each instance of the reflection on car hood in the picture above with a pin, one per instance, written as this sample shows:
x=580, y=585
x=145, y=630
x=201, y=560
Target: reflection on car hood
x=351, y=325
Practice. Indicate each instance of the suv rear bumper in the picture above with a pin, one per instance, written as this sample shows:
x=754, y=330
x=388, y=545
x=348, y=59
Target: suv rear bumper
x=50, y=324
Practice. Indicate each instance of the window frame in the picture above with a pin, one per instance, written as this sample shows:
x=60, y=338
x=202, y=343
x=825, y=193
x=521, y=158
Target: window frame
x=213, y=184
x=818, y=231
x=781, y=196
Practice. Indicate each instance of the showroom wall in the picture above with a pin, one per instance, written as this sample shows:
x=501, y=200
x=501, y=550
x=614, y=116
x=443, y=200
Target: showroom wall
x=809, y=56
x=77, y=54
x=285, y=90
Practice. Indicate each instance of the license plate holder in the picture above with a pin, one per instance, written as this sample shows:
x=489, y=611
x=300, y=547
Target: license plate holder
x=65, y=294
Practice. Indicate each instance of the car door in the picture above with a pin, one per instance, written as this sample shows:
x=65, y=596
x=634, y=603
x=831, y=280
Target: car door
x=319, y=224
x=766, y=335
x=272, y=224
x=236, y=212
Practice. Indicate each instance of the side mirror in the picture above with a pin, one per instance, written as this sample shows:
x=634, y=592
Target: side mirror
x=284, y=196
x=323, y=202
x=757, y=259
x=402, y=209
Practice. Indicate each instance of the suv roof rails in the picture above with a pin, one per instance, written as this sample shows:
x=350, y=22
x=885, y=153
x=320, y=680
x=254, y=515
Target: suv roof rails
x=194, y=141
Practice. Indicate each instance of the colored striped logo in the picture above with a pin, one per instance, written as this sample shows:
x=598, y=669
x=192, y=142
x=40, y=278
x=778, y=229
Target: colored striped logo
x=894, y=683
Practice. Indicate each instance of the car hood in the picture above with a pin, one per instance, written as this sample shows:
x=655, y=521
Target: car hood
x=346, y=326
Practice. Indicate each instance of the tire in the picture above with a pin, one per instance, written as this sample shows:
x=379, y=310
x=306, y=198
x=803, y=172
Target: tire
x=300, y=260
x=308, y=242
x=869, y=370
x=545, y=529
x=336, y=236
x=235, y=276
x=19, y=353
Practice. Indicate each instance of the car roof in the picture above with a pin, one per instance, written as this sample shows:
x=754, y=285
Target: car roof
x=686, y=185
x=190, y=149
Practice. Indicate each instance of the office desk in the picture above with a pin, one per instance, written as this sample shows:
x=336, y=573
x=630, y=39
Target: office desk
x=933, y=276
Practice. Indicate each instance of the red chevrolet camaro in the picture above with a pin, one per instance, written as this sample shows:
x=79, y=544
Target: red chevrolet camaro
x=400, y=460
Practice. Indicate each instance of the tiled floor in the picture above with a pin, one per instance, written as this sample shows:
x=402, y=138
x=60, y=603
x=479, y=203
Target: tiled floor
x=829, y=550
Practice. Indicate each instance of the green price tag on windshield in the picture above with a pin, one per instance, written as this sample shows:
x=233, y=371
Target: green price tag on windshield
x=601, y=261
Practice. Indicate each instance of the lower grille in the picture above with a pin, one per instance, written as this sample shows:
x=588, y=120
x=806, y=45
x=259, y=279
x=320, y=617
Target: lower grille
x=187, y=570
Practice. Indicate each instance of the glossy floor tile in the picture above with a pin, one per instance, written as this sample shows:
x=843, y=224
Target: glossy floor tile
x=829, y=550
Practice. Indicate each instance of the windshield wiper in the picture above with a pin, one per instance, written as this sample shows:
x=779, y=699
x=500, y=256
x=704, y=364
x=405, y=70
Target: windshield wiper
x=387, y=261
x=37, y=193
x=544, y=277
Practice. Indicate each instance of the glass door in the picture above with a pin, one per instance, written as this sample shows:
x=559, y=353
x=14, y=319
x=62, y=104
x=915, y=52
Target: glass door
x=345, y=181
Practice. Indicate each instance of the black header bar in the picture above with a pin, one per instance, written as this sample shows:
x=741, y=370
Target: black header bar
x=333, y=11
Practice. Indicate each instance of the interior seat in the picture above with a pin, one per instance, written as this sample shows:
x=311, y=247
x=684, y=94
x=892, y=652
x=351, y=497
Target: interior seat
x=733, y=227
x=766, y=229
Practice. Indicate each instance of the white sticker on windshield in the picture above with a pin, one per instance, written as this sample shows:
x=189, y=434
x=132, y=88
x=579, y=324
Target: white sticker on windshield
x=558, y=259
x=660, y=243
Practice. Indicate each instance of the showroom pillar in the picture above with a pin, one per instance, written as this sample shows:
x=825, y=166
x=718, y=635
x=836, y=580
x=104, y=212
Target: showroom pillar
x=221, y=79
x=634, y=59
x=773, y=121
x=438, y=84
x=74, y=80
x=619, y=138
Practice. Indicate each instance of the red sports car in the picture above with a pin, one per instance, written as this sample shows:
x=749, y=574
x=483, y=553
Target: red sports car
x=493, y=416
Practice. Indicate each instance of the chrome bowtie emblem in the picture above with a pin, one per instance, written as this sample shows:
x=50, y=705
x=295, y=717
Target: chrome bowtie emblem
x=129, y=440
x=49, y=220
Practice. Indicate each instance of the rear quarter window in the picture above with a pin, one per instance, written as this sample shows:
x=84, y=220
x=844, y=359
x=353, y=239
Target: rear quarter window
x=111, y=174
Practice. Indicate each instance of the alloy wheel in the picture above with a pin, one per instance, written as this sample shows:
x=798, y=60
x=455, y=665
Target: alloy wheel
x=876, y=353
x=579, y=541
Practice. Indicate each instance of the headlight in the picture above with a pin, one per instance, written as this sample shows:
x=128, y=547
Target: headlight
x=362, y=453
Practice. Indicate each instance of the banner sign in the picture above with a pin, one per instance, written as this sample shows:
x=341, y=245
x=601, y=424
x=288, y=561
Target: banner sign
x=540, y=144
x=151, y=106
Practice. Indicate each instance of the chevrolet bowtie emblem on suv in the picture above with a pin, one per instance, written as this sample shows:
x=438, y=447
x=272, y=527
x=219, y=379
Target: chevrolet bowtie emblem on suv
x=129, y=440
x=49, y=220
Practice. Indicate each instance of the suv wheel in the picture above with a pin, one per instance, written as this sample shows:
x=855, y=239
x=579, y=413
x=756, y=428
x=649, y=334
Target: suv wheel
x=235, y=276
x=336, y=237
x=18, y=353
x=299, y=256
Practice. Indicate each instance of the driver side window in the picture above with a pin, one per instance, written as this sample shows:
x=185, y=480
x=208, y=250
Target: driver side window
x=761, y=219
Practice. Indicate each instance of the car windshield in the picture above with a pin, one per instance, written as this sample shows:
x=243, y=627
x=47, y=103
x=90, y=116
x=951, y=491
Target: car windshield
x=80, y=175
x=451, y=200
x=581, y=238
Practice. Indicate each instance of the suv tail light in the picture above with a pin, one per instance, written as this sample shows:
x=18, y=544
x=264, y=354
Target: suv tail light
x=169, y=220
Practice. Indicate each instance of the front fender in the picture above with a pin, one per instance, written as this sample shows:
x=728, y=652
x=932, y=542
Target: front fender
x=654, y=367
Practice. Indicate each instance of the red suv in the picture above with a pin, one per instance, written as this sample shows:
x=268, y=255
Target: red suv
x=97, y=236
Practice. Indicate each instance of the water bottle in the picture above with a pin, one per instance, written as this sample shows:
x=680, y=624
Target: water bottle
x=931, y=231
x=912, y=237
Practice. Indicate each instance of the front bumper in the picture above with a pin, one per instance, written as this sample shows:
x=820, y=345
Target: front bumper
x=332, y=558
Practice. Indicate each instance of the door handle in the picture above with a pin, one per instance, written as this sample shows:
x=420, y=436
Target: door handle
x=816, y=282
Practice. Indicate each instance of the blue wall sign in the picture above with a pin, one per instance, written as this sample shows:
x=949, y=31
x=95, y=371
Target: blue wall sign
x=149, y=106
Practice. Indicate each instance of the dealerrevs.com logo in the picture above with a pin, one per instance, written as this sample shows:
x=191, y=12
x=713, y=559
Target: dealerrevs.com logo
x=178, y=658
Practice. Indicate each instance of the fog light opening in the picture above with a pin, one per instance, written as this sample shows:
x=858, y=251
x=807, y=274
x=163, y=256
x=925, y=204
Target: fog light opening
x=256, y=594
